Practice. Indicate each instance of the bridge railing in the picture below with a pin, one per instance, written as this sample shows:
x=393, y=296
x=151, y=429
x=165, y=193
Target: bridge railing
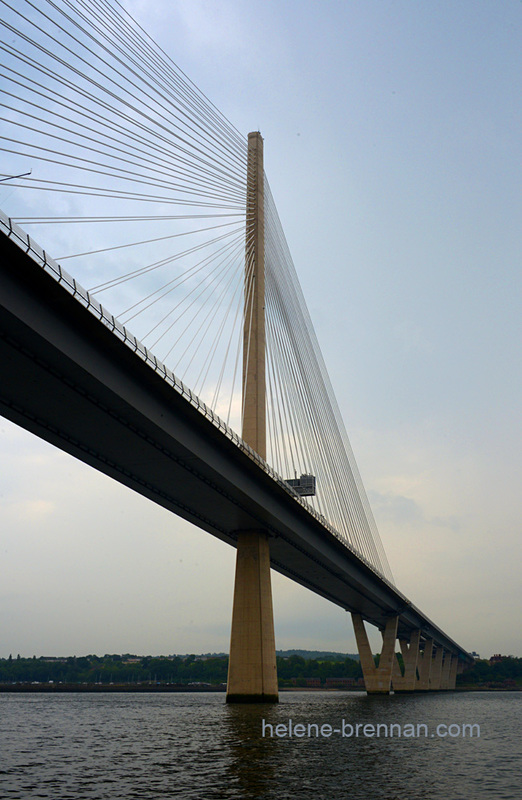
x=52, y=268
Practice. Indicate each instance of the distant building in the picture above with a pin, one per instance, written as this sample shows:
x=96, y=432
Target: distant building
x=496, y=659
x=309, y=682
x=53, y=660
x=336, y=682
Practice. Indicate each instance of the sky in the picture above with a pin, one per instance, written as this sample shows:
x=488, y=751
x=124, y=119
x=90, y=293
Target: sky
x=392, y=147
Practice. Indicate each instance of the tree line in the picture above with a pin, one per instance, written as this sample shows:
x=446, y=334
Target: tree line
x=126, y=669
x=129, y=669
x=501, y=672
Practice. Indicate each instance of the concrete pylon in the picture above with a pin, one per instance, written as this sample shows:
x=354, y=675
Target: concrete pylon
x=436, y=670
x=252, y=671
x=453, y=673
x=376, y=679
x=445, y=674
x=254, y=340
x=407, y=682
x=424, y=666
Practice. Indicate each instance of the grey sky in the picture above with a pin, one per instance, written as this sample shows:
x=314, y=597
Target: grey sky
x=392, y=146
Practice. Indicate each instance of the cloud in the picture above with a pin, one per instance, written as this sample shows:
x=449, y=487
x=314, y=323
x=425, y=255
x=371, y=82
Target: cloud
x=33, y=510
x=398, y=509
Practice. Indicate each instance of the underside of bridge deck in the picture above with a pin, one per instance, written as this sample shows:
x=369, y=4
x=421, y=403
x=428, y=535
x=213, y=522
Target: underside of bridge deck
x=68, y=379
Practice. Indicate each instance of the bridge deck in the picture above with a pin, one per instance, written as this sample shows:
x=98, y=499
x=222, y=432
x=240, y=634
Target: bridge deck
x=72, y=381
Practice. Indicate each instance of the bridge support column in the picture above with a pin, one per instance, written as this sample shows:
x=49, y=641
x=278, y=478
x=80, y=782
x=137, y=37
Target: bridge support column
x=446, y=668
x=376, y=679
x=425, y=667
x=436, y=670
x=252, y=670
x=452, y=680
x=407, y=682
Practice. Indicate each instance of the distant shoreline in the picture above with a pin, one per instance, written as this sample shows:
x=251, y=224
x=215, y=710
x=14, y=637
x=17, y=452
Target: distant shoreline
x=57, y=688
x=106, y=688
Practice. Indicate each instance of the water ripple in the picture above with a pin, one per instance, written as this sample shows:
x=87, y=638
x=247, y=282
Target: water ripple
x=121, y=747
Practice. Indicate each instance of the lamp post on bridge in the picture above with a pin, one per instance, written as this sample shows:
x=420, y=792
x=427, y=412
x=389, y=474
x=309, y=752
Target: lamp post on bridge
x=252, y=671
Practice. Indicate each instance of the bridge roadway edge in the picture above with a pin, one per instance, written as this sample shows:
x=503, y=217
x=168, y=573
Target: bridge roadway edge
x=71, y=381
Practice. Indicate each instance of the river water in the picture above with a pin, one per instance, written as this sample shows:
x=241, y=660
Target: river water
x=151, y=746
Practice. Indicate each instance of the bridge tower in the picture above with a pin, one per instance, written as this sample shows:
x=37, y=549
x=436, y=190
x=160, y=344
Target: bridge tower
x=252, y=671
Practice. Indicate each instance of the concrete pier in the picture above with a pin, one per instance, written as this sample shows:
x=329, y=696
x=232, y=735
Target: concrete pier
x=376, y=679
x=407, y=681
x=436, y=670
x=252, y=672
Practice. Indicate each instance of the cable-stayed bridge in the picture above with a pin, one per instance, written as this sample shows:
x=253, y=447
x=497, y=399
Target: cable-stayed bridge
x=166, y=215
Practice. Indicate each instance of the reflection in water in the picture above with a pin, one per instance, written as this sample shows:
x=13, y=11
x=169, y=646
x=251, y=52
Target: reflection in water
x=251, y=768
x=363, y=767
x=195, y=747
